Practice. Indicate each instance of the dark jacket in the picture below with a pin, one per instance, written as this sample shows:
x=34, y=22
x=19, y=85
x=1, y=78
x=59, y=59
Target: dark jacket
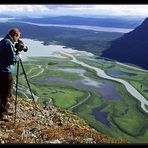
x=8, y=57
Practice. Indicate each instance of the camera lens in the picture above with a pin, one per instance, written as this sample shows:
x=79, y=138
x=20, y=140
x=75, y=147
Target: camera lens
x=20, y=46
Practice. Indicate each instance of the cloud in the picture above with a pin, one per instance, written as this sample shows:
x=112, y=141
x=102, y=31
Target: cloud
x=74, y=9
x=133, y=10
x=110, y=10
x=23, y=8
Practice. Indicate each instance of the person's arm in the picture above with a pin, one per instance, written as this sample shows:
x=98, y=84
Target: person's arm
x=10, y=54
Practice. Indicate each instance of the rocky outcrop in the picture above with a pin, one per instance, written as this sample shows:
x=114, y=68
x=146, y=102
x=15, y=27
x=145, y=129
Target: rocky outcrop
x=39, y=124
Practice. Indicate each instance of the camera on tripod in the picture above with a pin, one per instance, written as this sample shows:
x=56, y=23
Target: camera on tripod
x=20, y=46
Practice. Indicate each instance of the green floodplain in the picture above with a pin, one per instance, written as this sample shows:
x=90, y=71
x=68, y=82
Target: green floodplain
x=104, y=104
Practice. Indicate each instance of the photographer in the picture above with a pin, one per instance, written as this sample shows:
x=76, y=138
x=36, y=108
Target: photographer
x=8, y=59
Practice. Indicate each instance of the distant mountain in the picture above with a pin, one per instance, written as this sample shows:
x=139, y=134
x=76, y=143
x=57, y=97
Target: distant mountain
x=5, y=16
x=75, y=20
x=79, y=39
x=132, y=47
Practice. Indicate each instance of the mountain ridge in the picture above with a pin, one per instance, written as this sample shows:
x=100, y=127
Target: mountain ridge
x=131, y=48
x=79, y=20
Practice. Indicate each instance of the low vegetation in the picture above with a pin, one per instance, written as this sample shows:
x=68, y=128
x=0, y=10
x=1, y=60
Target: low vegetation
x=64, y=94
x=48, y=125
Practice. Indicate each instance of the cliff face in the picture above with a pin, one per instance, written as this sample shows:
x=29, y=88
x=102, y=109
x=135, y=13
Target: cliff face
x=39, y=125
x=132, y=47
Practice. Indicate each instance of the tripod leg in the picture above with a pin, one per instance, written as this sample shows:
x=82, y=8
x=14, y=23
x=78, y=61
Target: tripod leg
x=27, y=80
x=35, y=105
x=28, y=83
x=16, y=87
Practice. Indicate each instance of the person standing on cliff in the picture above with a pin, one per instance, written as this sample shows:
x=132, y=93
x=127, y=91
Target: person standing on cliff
x=8, y=59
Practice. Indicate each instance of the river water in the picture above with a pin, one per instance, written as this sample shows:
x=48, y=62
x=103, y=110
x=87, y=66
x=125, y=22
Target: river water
x=102, y=74
x=37, y=49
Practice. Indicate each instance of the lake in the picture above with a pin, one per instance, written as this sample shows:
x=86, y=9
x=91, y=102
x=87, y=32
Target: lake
x=85, y=27
x=38, y=49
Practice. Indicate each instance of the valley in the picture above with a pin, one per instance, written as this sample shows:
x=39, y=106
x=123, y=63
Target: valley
x=64, y=69
x=105, y=104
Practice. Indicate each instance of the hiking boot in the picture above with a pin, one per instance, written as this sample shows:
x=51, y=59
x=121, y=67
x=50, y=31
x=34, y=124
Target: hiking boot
x=3, y=118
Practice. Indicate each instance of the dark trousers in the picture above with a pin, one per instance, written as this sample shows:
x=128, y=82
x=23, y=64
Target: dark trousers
x=6, y=87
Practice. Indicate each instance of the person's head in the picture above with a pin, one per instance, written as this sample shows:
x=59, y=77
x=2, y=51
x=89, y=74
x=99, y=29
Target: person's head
x=15, y=34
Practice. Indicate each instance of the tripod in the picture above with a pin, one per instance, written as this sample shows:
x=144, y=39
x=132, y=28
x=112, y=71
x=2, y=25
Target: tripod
x=17, y=74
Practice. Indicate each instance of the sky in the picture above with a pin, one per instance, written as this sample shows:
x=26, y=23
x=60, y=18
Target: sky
x=75, y=9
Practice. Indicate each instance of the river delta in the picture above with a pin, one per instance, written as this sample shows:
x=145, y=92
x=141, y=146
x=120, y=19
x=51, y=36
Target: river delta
x=111, y=97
